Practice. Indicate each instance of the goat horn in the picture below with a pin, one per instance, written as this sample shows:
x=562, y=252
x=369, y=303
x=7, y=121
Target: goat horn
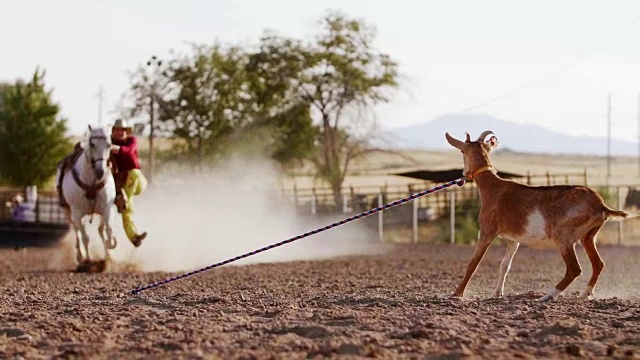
x=454, y=142
x=484, y=135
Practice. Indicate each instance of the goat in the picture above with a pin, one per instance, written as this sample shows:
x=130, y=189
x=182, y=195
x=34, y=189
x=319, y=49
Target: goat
x=557, y=216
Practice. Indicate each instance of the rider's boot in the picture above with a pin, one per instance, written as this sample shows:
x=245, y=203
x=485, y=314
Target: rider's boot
x=120, y=201
x=137, y=240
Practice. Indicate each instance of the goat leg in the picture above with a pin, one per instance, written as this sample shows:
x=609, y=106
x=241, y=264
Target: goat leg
x=484, y=240
x=573, y=271
x=505, y=265
x=597, y=265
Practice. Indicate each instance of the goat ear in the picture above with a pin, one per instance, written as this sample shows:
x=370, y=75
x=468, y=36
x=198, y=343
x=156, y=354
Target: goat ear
x=454, y=142
x=492, y=143
x=468, y=139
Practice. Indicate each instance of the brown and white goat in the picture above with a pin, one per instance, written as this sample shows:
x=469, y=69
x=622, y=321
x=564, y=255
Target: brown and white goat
x=541, y=217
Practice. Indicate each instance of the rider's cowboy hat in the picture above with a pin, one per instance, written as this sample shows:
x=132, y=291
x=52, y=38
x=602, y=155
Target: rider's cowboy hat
x=122, y=124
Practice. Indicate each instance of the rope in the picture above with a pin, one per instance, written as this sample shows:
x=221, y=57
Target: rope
x=458, y=182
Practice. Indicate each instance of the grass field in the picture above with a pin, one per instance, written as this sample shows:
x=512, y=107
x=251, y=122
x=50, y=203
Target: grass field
x=377, y=169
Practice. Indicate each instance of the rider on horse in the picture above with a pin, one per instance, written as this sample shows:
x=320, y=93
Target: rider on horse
x=128, y=177
x=126, y=171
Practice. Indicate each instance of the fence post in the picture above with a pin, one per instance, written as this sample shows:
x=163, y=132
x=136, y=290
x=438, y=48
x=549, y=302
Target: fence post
x=345, y=204
x=452, y=203
x=313, y=202
x=352, y=193
x=585, y=176
x=620, y=206
x=380, y=219
x=548, y=178
x=37, y=210
x=415, y=221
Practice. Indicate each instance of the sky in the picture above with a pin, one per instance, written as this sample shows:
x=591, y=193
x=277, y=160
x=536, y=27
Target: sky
x=551, y=63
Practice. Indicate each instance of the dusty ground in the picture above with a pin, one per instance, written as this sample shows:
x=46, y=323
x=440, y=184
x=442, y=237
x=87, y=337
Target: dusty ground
x=385, y=306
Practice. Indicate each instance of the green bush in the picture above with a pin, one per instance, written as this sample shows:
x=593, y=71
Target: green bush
x=466, y=227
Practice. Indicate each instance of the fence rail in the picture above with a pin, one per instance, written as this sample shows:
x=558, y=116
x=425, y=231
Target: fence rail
x=447, y=211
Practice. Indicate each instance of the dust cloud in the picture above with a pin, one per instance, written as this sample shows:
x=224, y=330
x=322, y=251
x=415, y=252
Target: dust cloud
x=195, y=219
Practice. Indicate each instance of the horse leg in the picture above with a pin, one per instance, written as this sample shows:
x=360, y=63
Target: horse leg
x=103, y=236
x=110, y=241
x=77, y=218
x=79, y=256
x=76, y=222
x=101, y=230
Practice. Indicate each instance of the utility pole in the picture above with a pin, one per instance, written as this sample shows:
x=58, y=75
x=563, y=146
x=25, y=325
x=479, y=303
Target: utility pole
x=100, y=100
x=639, y=134
x=608, y=138
x=154, y=63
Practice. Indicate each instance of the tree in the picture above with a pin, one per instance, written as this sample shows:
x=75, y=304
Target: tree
x=297, y=100
x=281, y=119
x=32, y=136
x=149, y=84
x=336, y=80
x=201, y=99
x=209, y=100
x=343, y=79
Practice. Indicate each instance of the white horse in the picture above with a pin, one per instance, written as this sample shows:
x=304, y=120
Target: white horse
x=88, y=188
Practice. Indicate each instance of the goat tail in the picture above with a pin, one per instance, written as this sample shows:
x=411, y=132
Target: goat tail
x=616, y=214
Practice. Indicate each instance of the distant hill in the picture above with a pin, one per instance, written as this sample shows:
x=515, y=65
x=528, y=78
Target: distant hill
x=512, y=136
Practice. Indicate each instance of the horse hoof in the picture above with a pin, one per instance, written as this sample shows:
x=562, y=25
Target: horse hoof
x=111, y=244
x=91, y=266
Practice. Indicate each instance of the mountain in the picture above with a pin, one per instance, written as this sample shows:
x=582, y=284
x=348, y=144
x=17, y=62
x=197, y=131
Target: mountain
x=512, y=136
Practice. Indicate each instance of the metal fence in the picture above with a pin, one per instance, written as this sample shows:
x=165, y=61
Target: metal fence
x=439, y=215
x=444, y=215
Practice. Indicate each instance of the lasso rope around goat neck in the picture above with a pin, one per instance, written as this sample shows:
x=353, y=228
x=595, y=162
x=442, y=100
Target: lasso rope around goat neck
x=459, y=182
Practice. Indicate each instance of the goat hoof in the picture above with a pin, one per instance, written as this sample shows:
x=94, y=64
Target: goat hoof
x=551, y=295
x=546, y=298
x=587, y=293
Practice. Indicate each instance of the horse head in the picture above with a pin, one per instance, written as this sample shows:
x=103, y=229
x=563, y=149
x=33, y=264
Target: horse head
x=97, y=150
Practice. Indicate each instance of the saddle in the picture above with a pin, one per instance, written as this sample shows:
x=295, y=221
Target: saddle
x=66, y=164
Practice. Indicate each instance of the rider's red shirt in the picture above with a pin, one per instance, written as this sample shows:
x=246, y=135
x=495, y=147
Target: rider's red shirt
x=127, y=158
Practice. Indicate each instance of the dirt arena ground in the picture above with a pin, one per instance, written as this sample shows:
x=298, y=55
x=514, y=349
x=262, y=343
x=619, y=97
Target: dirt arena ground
x=392, y=305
